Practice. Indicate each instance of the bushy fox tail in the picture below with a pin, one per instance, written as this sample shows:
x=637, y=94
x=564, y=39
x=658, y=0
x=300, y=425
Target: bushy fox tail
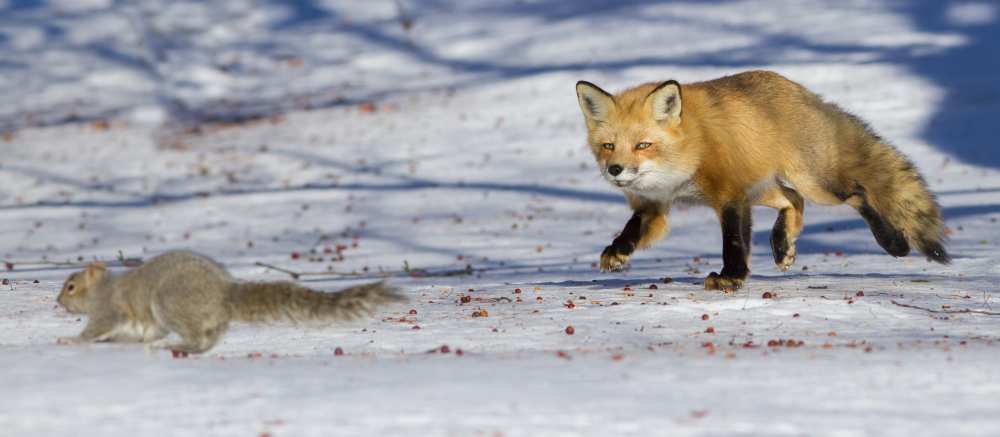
x=273, y=301
x=897, y=205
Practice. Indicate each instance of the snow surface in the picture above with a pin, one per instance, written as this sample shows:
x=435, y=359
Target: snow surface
x=241, y=130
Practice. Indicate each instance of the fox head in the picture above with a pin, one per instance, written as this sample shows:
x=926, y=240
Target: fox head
x=636, y=136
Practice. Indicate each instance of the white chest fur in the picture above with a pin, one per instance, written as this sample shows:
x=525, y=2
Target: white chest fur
x=665, y=185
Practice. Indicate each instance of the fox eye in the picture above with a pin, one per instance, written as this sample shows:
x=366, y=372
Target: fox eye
x=608, y=146
x=641, y=146
x=70, y=287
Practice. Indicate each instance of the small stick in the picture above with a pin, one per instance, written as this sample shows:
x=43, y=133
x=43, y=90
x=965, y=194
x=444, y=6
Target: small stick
x=962, y=311
x=411, y=272
x=43, y=262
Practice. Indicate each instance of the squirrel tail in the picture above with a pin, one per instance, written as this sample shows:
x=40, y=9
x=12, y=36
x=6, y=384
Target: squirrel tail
x=273, y=301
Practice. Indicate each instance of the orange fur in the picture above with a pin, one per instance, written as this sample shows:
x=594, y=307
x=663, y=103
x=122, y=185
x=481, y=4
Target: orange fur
x=754, y=138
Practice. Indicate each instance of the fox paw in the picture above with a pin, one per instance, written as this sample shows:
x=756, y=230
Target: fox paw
x=69, y=340
x=714, y=281
x=612, y=260
x=786, y=260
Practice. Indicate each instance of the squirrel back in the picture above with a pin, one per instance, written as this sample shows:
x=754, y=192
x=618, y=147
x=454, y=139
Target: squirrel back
x=195, y=297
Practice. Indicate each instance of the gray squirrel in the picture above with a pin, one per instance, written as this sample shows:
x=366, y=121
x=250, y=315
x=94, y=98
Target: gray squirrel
x=195, y=297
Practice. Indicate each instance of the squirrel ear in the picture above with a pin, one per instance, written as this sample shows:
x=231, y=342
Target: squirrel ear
x=665, y=102
x=95, y=269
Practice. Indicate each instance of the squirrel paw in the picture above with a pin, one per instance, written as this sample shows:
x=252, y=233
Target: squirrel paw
x=69, y=340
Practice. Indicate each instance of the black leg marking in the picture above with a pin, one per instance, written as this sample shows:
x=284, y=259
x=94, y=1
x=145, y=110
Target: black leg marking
x=734, y=254
x=779, y=238
x=615, y=256
x=934, y=251
x=629, y=238
x=746, y=231
x=887, y=236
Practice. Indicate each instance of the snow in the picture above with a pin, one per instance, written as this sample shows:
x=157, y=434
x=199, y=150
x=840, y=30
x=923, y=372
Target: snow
x=472, y=155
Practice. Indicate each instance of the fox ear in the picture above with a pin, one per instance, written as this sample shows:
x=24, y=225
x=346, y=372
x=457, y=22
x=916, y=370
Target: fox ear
x=594, y=102
x=665, y=102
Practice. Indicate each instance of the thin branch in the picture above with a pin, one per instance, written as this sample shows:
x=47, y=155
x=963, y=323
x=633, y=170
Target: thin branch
x=43, y=262
x=416, y=273
x=961, y=311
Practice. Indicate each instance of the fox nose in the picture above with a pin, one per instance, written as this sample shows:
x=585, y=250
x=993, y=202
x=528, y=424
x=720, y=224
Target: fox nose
x=615, y=170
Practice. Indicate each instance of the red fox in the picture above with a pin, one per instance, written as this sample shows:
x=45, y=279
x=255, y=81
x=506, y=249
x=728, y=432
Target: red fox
x=754, y=138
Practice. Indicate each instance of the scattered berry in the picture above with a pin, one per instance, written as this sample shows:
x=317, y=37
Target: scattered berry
x=570, y=330
x=338, y=351
x=767, y=295
x=704, y=316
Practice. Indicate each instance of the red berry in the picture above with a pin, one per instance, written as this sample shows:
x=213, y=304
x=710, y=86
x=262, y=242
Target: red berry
x=570, y=330
x=338, y=351
x=704, y=316
x=295, y=255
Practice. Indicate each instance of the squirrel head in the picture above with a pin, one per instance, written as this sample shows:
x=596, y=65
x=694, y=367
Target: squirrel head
x=79, y=285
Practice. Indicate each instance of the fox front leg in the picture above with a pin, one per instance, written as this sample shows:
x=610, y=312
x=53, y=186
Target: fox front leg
x=736, y=230
x=641, y=230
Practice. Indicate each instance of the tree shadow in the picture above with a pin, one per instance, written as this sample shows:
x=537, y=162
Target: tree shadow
x=964, y=122
x=808, y=245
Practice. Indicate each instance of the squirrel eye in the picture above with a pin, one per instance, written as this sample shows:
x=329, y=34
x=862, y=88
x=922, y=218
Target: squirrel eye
x=608, y=146
x=641, y=146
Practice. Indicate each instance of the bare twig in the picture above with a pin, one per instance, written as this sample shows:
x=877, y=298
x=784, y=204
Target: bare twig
x=961, y=311
x=43, y=262
x=416, y=273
